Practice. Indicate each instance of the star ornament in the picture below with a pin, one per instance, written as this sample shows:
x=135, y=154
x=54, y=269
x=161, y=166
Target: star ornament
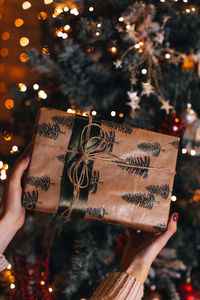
x=134, y=100
x=147, y=89
x=118, y=64
x=166, y=106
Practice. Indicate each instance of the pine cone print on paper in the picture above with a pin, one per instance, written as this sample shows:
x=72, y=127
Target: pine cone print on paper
x=49, y=131
x=152, y=148
x=67, y=121
x=40, y=182
x=133, y=164
x=141, y=199
x=30, y=199
x=175, y=144
x=159, y=190
x=98, y=212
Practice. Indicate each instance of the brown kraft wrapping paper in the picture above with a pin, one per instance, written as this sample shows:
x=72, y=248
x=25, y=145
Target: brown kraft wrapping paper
x=124, y=176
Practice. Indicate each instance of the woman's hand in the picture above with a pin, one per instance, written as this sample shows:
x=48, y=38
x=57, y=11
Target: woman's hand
x=142, y=248
x=13, y=214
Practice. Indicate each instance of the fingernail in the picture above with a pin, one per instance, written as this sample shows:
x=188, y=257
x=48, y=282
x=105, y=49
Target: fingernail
x=175, y=217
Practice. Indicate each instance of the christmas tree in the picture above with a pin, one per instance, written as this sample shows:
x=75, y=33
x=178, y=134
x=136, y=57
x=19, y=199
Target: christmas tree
x=136, y=63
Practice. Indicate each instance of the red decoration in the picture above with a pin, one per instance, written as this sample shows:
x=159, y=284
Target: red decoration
x=121, y=242
x=171, y=125
x=31, y=280
x=188, y=292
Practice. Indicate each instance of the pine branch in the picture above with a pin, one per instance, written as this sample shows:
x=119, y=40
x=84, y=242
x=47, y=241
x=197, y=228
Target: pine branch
x=159, y=190
x=40, y=182
x=49, y=131
x=134, y=162
x=29, y=199
x=152, y=148
x=120, y=127
x=141, y=199
x=67, y=121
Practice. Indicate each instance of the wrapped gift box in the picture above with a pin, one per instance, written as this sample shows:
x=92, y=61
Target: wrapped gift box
x=100, y=170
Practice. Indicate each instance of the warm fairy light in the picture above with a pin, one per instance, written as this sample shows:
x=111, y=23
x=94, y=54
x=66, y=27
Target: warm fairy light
x=23, y=57
x=173, y=198
x=193, y=9
x=98, y=25
x=187, y=10
x=69, y=110
x=59, y=10
x=128, y=26
x=1, y=164
x=3, y=176
x=121, y=19
x=50, y=290
x=48, y=2
x=167, y=55
x=36, y=86
x=97, y=33
x=42, y=282
x=26, y=5
x=114, y=50
x=113, y=113
x=162, y=0
x=9, y=103
x=3, y=172
x=12, y=286
x=144, y=71
x=59, y=33
x=121, y=115
x=67, y=27
x=19, y=22
x=24, y=41
x=42, y=15
x=5, y=166
x=91, y=8
x=15, y=148
x=4, y=52
x=7, y=136
x=74, y=11
x=185, y=1
x=193, y=152
x=176, y=120
x=22, y=87
x=184, y=151
x=64, y=35
x=9, y=267
x=27, y=102
x=12, y=278
x=66, y=8
x=45, y=50
x=42, y=94
x=5, y=35
x=137, y=46
x=93, y=113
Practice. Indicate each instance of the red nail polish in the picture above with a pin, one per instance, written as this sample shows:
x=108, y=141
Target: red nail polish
x=175, y=217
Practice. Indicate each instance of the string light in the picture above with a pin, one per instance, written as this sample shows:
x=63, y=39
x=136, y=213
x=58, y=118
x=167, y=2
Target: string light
x=23, y=57
x=167, y=55
x=42, y=282
x=193, y=9
x=24, y=41
x=121, y=19
x=193, y=152
x=74, y=11
x=1, y=164
x=12, y=286
x=128, y=26
x=91, y=8
x=121, y=115
x=162, y=0
x=67, y=27
x=114, y=50
x=9, y=267
x=66, y=8
x=48, y=2
x=137, y=46
x=187, y=10
x=22, y=87
x=36, y=86
x=113, y=113
x=97, y=33
x=185, y=1
x=144, y=71
x=59, y=33
x=4, y=52
x=69, y=110
x=173, y=198
x=19, y=22
x=64, y=35
x=9, y=103
x=184, y=151
x=26, y=5
x=50, y=290
x=15, y=148
x=42, y=15
x=93, y=113
x=5, y=35
x=6, y=168
x=98, y=25
x=42, y=94
x=3, y=172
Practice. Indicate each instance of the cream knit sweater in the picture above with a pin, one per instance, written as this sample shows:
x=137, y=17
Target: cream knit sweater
x=119, y=286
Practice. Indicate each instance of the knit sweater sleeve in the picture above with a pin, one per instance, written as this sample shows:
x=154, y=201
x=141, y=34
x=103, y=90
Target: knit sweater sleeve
x=119, y=286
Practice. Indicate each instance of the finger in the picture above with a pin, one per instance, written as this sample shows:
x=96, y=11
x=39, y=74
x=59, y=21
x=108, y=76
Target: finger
x=163, y=238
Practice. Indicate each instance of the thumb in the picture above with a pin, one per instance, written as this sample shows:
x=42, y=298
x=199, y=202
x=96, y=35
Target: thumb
x=19, y=168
